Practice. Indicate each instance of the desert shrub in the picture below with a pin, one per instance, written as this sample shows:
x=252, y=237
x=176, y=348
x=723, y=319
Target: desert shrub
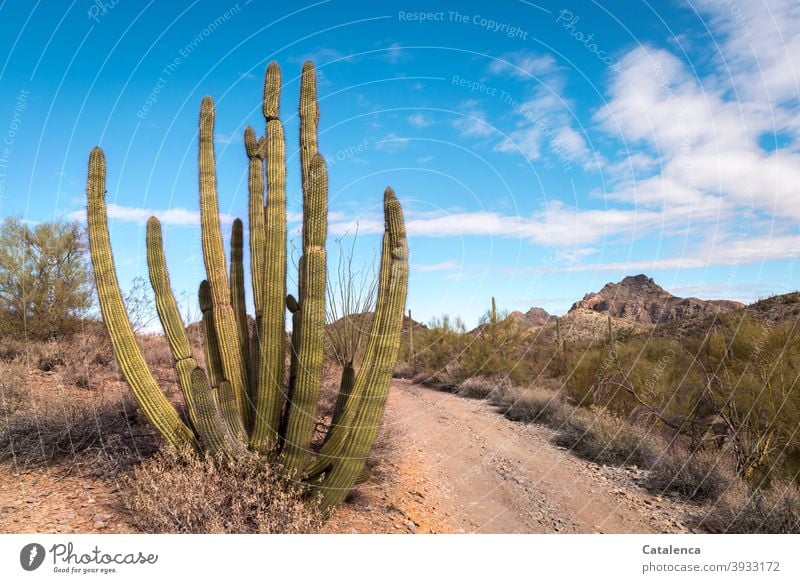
x=181, y=492
x=737, y=382
x=755, y=511
x=406, y=370
x=50, y=362
x=604, y=438
x=422, y=378
x=84, y=355
x=11, y=350
x=439, y=347
x=155, y=350
x=45, y=280
x=42, y=429
x=532, y=405
x=483, y=387
x=700, y=477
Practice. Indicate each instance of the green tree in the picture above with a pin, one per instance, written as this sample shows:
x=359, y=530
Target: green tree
x=45, y=281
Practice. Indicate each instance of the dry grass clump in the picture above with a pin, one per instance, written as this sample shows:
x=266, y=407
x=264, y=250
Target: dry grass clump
x=155, y=350
x=405, y=370
x=698, y=477
x=483, y=387
x=38, y=429
x=755, y=511
x=181, y=492
x=532, y=405
x=603, y=438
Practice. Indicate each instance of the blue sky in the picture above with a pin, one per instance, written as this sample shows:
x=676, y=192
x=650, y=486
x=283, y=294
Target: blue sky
x=540, y=150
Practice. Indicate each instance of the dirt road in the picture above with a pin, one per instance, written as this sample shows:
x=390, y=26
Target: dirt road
x=456, y=466
x=462, y=467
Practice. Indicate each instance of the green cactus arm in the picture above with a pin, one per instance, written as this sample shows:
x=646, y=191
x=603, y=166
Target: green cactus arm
x=345, y=390
x=386, y=331
x=272, y=92
x=214, y=432
x=303, y=403
x=309, y=119
x=294, y=308
x=255, y=185
x=169, y=315
x=219, y=386
x=237, y=293
x=233, y=368
x=155, y=406
x=493, y=317
x=210, y=346
x=371, y=385
x=204, y=411
x=256, y=149
x=272, y=328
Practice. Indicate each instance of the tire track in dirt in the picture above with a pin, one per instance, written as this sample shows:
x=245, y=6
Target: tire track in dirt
x=495, y=475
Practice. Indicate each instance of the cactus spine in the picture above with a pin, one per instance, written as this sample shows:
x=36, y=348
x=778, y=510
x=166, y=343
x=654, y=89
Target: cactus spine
x=241, y=405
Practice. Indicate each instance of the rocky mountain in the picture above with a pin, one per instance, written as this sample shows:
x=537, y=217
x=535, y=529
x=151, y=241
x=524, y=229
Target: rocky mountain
x=639, y=299
x=776, y=309
x=533, y=318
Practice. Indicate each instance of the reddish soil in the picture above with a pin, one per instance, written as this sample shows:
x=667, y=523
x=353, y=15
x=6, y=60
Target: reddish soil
x=457, y=466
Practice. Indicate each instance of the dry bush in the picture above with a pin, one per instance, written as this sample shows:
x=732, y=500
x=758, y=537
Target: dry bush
x=406, y=370
x=755, y=511
x=425, y=380
x=11, y=350
x=532, y=405
x=48, y=356
x=483, y=387
x=43, y=429
x=384, y=449
x=155, y=350
x=700, y=477
x=603, y=438
x=84, y=355
x=181, y=492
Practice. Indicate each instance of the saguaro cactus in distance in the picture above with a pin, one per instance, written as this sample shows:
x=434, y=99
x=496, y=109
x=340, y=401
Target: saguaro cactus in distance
x=242, y=405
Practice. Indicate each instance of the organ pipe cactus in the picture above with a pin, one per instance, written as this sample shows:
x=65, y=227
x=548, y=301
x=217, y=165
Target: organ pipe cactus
x=241, y=404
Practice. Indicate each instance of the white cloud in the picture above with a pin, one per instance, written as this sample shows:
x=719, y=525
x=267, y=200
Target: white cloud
x=742, y=252
x=472, y=123
x=392, y=143
x=175, y=216
x=544, y=120
x=435, y=267
x=419, y=120
x=555, y=226
x=523, y=64
x=395, y=53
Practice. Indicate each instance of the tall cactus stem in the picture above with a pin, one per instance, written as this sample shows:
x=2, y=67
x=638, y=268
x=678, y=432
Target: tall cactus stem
x=237, y=295
x=303, y=404
x=233, y=367
x=155, y=406
x=368, y=400
x=272, y=327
